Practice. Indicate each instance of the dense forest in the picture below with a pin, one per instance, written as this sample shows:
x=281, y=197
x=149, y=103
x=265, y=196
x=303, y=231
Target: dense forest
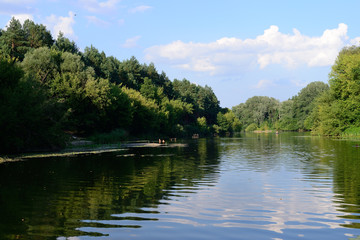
x=51, y=91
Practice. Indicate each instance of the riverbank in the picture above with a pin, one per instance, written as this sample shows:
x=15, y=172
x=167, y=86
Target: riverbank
x=86, y=147
x=263, y=131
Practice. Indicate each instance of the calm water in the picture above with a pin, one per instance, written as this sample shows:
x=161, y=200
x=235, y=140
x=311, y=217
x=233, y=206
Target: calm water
x=290, y=186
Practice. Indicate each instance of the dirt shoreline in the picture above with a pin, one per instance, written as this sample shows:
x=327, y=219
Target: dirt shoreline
x=87, y=147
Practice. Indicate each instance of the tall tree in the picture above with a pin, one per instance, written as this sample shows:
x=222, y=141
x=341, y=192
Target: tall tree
x=258, y=109
x=304, y=102
x=287, y=120
x=145, y=112
x=13, y=40
x=110, y=69
x=43, y=63
x=28, y=119
x=64, y=44
x=37, y=35
x=95, y=59
x=339, y=109
x=130, y=72
x=203, y=99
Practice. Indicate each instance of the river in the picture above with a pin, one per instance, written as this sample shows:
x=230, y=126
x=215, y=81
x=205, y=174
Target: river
x=251, y=186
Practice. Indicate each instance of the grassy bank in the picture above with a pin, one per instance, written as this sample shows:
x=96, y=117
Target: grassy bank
x=352, y=132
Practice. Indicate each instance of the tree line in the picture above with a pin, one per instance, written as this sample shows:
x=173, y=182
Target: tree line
x=294, y=114
x=325, y=109
x=50, y=90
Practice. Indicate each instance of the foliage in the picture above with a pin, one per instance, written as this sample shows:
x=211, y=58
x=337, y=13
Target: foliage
x=291, y=115
x=28, y=119
x=204, y=129
x=37, y=35
x=91, y=93
x=13, y=40
x=49, y=87
x=145, y=112
x=351, y=132
x=114, y=136
x=17, y=39
x=175, y=112
x=228, y=123
x=203, y=99
x=63, y=44
x=305, y=102
x=338, y=108
x=258, y=109
x=42, y=63
x=287, y=119
x=252, y=127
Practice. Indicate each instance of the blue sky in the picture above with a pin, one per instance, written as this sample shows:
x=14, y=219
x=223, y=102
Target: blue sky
x=238, y=48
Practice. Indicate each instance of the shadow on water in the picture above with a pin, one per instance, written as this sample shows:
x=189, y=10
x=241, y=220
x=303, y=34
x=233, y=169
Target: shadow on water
x=51, y=197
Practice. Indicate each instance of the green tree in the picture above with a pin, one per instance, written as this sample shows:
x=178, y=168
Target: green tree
x=287, y=119
x=43, y=63
x=28, y=119
x=258, y=109
x=110, y=103
x=304, y=102
x=202, y=125
x=13, y=40
x=37, y=35
x=159, y=80
x=71, y=63
x=119, y=113
x=64, y=44
x=228, y=123
x=145, y=112
x=176, y=113
x=110, y=69
x=148, y=89
x=130, y=72
x=93, y=58
x=338, y=108
x=203, y=99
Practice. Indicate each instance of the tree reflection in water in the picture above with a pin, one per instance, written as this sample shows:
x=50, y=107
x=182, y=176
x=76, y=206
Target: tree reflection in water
x=259, y=186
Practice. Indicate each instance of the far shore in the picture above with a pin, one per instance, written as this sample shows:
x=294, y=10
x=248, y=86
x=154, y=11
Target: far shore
x=263, y=131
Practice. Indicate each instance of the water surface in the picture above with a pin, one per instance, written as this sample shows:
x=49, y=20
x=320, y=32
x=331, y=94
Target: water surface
x=253, y=186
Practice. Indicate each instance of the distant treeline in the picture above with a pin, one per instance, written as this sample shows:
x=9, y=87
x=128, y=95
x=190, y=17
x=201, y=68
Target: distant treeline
x=332, y=110
x=50, y=91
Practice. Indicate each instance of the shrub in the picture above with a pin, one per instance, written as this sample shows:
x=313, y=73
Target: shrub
x=114, y=136
x=351, y=132
x=251, y=127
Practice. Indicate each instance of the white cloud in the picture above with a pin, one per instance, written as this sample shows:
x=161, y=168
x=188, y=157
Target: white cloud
x=355, y=41
x=264, y=83
x=21, y=18
x=140, y=9
x=61, y=24
x=272, y=47
x=99, y=6
x=131, y=42
x=97, y=21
